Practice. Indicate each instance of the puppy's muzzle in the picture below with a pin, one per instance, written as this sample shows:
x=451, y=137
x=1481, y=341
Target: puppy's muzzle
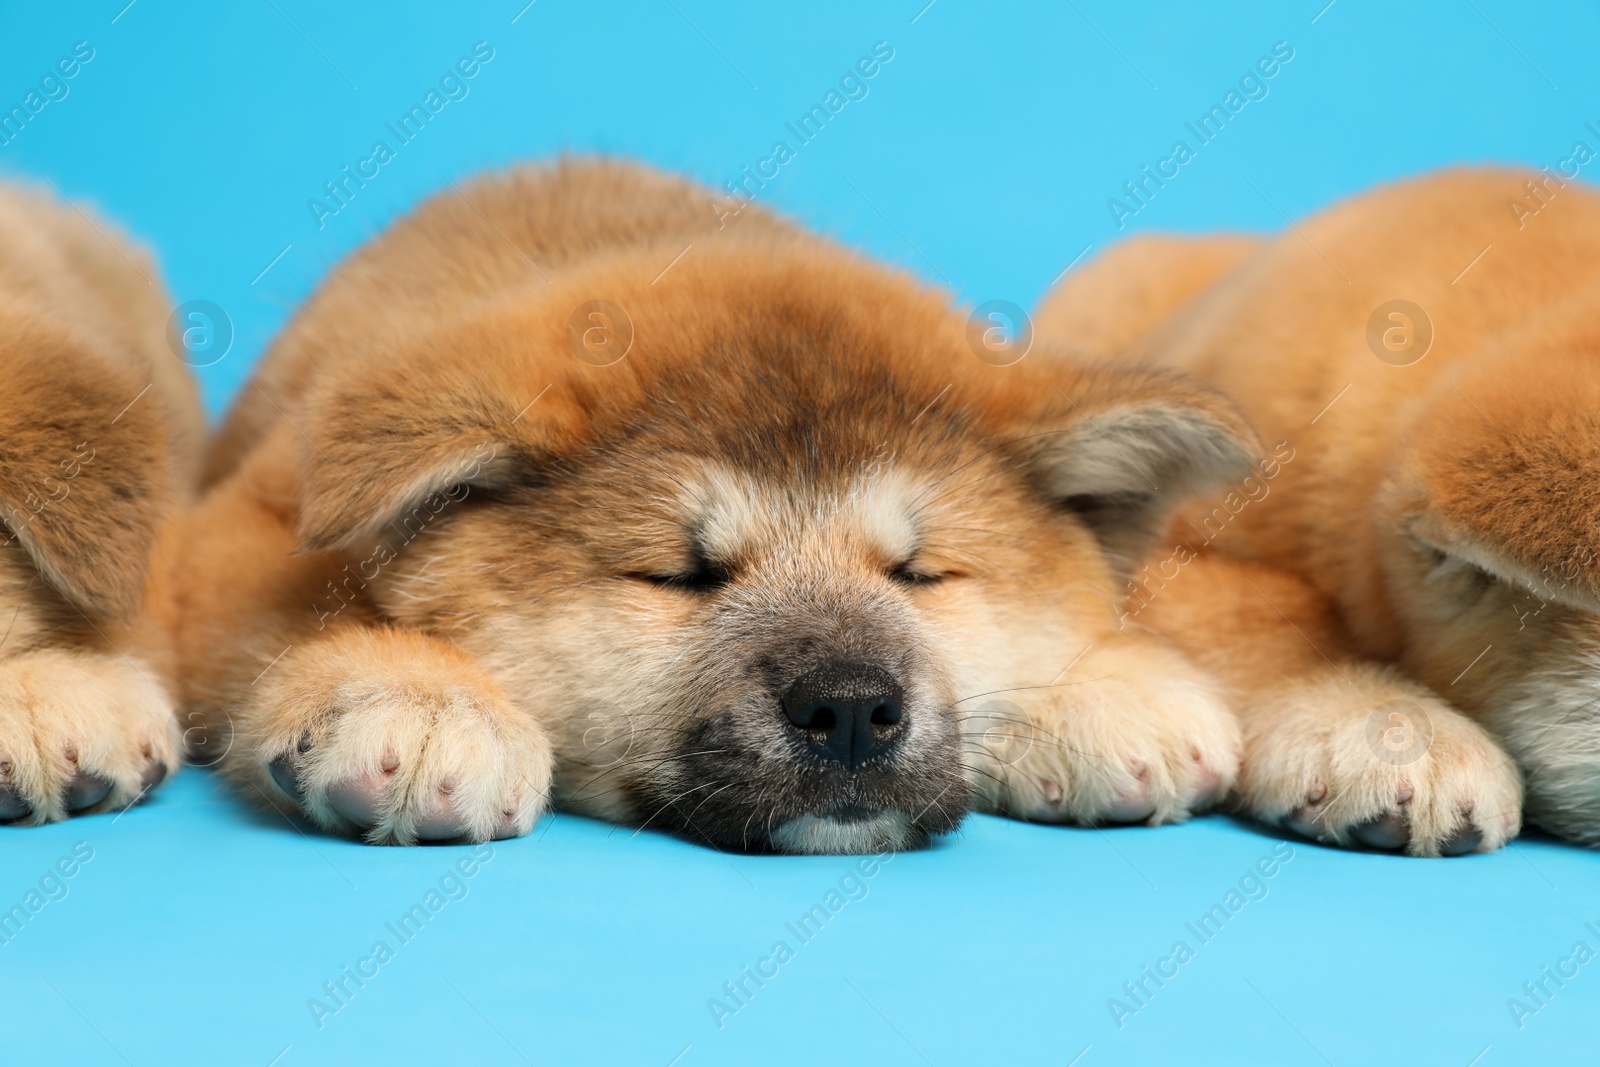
x=846, y=712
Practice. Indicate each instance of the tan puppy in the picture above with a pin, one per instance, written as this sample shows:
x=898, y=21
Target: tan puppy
x=1429, y=350
x=571, y=486
x=101, y=438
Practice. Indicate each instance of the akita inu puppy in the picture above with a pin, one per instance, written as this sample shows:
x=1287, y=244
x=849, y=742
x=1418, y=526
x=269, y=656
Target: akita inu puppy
x=1432, y=351
x=102, y=432
x=578, y=487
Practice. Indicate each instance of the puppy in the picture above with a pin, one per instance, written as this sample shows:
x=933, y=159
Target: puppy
x=102, y=435
x=1429, y=349
x=578, y=487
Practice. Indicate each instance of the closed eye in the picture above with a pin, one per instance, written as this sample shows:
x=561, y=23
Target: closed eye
x=906, y=573
x=705, y=577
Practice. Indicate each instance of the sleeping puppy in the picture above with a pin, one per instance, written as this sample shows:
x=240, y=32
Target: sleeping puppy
x=1430, y=350
x=579, y=487
x=101, y=439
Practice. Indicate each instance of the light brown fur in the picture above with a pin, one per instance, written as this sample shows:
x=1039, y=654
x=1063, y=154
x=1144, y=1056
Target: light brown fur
x=1446, y=510
x=448, y=571
x=100, y=430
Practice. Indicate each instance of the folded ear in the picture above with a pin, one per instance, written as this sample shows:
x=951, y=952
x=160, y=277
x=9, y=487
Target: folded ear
x=378, y=456
x=84, y=475
x=384, y=444
x=1499, y=474
x=1123, y=447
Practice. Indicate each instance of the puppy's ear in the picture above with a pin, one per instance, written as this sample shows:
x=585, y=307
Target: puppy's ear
x=379, y=455
x=1123, y=447
x=83, y=469
x=383, y=444
x=1499, y=475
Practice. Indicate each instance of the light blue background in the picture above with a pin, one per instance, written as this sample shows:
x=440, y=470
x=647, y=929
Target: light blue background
x=981, y=159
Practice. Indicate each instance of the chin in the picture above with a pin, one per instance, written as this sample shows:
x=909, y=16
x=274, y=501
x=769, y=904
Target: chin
x=880, y=831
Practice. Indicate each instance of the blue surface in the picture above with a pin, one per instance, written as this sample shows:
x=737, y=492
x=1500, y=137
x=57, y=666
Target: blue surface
x=982, y=157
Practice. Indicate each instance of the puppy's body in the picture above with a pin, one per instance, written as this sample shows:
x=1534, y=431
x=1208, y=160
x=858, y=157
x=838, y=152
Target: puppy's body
x=563, y=484
x=102, y=429
x=1442, y=501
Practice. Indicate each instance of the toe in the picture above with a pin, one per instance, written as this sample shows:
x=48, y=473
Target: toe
x=1390, y=830
x=155, y=772
x=1133, y=802
x=1306, y=820
x=440, y=824
x=1466, y=837
x=1205, y=782
x=359, y=799
x=85, y=790
x=12, y=805
x=507, y=827
x=441, y=821
x=283, y=773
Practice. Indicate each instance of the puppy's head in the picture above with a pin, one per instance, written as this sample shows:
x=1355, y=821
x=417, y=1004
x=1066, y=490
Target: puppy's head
x=753, y=575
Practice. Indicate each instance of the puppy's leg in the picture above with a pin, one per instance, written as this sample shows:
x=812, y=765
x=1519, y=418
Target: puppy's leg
x=81, y=730
x=392, y=734
x=1335, y=747
x=1132, y=731
x=396, y=736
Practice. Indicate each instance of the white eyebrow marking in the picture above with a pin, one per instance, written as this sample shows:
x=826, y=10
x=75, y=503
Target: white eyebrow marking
x=727, y=509
x=881, y=504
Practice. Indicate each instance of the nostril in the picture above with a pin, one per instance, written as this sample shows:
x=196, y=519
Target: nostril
x=845, y=710
x=814, y=716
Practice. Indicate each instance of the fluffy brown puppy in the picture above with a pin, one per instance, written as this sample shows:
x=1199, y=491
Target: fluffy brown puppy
x=1429, y=350
x=100, y=440
x=571, y=488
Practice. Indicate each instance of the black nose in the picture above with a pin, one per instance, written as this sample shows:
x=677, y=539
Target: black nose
x=849, y=711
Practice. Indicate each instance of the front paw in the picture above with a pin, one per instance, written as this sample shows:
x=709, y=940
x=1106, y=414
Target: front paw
x=1369, y=758
x=396, y=739
x=80, y=732
x=1131, y=735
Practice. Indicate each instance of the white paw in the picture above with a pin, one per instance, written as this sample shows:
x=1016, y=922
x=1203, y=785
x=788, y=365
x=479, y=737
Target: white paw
x=398, y=766
x=1131, y=736
x=80, y=732
x=1372, y=759
x=398, y=757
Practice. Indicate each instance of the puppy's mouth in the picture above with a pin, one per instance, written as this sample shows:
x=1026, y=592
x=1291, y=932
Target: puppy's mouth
x=763, y=818
x=849, y=830
x=722, y=795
